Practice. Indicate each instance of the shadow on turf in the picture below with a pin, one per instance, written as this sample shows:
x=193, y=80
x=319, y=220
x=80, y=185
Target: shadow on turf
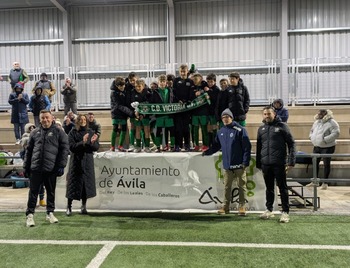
x=175, y=216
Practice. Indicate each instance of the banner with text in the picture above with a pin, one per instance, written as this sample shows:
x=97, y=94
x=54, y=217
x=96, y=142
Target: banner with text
x=166, y=181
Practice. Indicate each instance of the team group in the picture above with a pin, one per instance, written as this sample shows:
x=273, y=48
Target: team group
x=226, y=109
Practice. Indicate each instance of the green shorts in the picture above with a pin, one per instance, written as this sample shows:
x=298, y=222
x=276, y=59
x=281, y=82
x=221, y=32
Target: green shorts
x=119, y=122
x=199, y=120
x=164, y=121
x=141, y=123
x=212, y=120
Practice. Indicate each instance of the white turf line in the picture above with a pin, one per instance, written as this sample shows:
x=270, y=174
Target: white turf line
x=108, y=246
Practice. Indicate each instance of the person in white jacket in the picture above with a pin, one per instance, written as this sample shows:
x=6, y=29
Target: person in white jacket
x=323, y=134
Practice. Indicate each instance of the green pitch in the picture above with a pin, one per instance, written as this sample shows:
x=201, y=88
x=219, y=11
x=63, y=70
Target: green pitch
x=174, y=240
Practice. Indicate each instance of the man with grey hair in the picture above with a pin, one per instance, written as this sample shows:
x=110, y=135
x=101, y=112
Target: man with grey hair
x=17, y=75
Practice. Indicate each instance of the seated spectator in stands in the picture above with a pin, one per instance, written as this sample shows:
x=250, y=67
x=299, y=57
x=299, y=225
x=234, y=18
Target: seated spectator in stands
x=69, y=121
x=96, y=127
x=281, y=111
x=69, y=92
x=323, y=134
x=19, y=115
x=37, y=103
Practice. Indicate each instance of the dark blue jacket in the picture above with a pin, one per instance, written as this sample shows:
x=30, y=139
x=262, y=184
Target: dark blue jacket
x=235, y=145
x=19, y=114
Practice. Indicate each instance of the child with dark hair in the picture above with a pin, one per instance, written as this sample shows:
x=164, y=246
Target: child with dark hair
x=120, y=111
x=164, y=95
x=213, y=93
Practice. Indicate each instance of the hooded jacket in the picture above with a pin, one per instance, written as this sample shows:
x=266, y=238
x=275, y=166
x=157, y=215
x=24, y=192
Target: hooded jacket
x=282, y=112
x=19, y=114
x=325, y=131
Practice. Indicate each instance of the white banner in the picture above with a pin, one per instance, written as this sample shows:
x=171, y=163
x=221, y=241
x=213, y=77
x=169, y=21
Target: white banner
x=164, y=181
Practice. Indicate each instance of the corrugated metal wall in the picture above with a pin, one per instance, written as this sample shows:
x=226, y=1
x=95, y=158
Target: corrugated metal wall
x=123, y=23
x=321, y=14
x=218, y=36
x=225, y=17
x=32, y=25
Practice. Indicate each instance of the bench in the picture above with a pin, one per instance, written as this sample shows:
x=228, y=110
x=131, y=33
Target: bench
x=298, y=190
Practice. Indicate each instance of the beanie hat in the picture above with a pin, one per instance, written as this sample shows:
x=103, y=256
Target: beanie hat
x=19, y=85
x=227, y=112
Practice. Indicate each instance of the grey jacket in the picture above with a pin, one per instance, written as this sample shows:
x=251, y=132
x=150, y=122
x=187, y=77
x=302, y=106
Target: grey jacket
x=325, y=131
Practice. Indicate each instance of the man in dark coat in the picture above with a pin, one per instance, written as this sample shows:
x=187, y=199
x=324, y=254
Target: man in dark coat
x=45, y=159
x=272, y=140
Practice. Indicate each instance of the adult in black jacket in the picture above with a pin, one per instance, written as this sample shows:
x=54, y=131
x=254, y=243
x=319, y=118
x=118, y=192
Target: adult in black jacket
x=45, y=159
x=83, y=142
x=272, y=140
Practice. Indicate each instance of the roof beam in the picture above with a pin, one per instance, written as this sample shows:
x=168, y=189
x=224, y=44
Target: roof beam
x=59, y=4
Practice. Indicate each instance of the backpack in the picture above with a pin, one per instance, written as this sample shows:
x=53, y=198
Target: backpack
x=303, y=160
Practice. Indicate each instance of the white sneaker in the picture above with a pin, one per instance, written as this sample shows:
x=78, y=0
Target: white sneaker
x=137, y=150
x=311, y=184
x=154, y=147
x=284, y=217
x=30, y=220
x=147, y=150
x=51, y=218
x=131, y=148
x=324, y=186
x=18, y=141
x=267, y=215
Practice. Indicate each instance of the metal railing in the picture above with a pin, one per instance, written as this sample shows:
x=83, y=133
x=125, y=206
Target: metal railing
x=315, y=180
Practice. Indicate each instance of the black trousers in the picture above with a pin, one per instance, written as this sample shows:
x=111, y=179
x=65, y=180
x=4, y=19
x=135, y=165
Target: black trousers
x=326, y=160
x=182, y=129
x=278, y=172
x=36, y=179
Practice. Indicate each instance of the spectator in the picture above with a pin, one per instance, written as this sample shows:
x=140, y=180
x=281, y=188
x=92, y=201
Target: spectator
x=37, y=103
x=81, y=179
x=238, y=100
x=69, y=92
x=93, y=125
x=69, y=121
x=17, y=75
x=19, y=115
x=281, y=111
x=235, y=144
x=271, y=151
x=48, y=87
x=323, y=134
x=45, y=159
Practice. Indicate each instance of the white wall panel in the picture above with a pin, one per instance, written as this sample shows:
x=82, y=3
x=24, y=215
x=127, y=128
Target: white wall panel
x=121, y=53
x=119, y=21
x=227, y=16
x=31, y=24
x=208, y=50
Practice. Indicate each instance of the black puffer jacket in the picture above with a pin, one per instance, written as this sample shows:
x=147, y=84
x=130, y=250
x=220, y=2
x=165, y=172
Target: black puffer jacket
x=120, y=103
x=238, y=101
x=47, y=150
x=81, y=165
x=272, y=142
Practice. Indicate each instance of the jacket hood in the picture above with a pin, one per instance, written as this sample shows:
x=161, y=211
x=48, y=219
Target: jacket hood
x=27, y=126
x=280, y=101
x=328, y=116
